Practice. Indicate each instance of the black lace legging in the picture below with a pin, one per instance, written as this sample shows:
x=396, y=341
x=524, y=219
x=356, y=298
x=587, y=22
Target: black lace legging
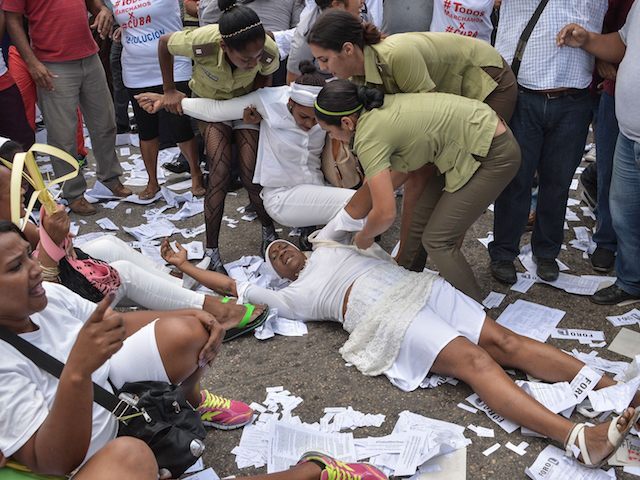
x=217, y=143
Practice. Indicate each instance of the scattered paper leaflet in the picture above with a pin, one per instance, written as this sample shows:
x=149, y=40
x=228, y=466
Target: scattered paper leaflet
x=552, y=464
x=278, y=438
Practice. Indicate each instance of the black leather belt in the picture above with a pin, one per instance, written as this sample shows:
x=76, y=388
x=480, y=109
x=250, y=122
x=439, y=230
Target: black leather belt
x=552, y=94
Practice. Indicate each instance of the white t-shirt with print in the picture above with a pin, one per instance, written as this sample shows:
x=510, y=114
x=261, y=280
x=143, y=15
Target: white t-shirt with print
x=471, y=18
x=27, y=392
x=143, y=22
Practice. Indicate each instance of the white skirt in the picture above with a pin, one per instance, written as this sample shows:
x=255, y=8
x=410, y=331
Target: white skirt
x=448, y=314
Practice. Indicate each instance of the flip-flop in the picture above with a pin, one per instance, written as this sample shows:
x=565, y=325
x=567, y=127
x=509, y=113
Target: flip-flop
x=245, y=325
x=614, y=436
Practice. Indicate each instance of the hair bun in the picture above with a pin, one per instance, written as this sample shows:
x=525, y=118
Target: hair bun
x=370, y=97
x=307, y=67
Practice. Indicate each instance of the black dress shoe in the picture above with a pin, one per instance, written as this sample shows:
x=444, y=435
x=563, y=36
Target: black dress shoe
x=612, y=295
x=548, y=269
x=179, y=165
x=504, y=271
x=602, y=260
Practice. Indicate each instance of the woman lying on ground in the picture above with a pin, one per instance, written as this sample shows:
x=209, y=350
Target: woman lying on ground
x=52, y=426
x=406, y=324
x=398, y=140
x=288, y=164
x=142, y=281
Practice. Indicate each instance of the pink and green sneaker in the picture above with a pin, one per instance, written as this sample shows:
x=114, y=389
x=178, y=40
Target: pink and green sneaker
x=223, y=413
x=333, y=469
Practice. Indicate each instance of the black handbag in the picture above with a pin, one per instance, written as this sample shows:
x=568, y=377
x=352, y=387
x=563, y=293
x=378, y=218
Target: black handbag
x=155, y=412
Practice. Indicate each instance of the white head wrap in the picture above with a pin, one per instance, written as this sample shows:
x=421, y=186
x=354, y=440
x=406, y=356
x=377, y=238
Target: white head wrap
x=304, y=95
x=267, y=259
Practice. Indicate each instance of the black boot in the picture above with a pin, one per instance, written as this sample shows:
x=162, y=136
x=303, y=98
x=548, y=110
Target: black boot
x=303, y=240
x=216, y=264
x=268, y=235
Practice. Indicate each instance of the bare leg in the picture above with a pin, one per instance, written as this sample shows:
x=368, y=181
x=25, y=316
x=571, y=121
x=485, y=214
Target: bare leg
x=149, y=151
x=180, y=340
x=543, y=361
x=190, y=150
x=473, y=365
x=125, y=458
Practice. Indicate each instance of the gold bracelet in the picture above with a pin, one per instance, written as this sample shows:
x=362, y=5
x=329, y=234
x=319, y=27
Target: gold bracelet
x=50, y=274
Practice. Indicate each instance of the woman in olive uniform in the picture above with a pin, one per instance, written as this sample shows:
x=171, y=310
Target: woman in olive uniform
x=231, y=58
x=397, y=138
x=414, y=63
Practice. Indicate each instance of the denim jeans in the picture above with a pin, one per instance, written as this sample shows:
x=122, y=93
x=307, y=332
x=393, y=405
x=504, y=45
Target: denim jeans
x=606, y=136
x=624, y=200
x=551, y=134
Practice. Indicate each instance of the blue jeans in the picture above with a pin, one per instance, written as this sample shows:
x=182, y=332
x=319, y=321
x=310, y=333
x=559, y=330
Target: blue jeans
x=606, y=136
x=551, y=134
x=624, y=199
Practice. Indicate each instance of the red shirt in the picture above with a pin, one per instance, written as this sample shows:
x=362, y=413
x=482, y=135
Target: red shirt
x=59, y=29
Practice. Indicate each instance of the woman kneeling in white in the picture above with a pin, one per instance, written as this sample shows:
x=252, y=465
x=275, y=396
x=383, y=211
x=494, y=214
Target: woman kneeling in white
x=405, y=324
x=289, y=149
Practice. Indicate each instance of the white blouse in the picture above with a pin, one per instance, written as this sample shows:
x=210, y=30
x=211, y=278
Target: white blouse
x=319, y=291
x=287, y=155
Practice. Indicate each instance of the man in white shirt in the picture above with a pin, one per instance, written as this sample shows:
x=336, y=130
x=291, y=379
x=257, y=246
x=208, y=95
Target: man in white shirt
x=551, y=123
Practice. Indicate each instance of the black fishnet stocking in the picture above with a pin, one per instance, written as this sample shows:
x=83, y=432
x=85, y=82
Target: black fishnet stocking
x=247, y=142
x=217, y=144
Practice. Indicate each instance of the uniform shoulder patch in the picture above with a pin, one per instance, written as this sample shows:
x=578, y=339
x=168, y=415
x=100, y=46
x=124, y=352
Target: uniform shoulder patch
x=267, y=58
x=204, y=49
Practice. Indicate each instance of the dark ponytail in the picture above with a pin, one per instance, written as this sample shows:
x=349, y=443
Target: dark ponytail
x=310, y=75
x=336, y=27
x=340, y=98
x=239, y=25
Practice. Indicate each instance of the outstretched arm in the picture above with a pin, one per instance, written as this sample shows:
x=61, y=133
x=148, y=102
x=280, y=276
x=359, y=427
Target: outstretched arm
x=608, y=47
x=205, y=108
x=215, y=281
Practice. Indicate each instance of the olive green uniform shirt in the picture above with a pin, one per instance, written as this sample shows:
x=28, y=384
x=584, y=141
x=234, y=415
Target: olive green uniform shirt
x=212, y=76
x=422, y=62
x=413, y=129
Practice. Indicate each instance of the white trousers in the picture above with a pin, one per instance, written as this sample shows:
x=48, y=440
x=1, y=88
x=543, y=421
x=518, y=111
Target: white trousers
x=143, y=282
x=304, y=205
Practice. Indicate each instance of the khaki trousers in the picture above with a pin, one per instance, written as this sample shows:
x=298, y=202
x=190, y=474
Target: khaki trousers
x=80, y=82
x=503, y=101
x=441, y=218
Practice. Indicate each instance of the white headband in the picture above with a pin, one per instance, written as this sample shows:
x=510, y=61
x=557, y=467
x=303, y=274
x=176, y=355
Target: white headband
x=304, y=95
x=4, y=140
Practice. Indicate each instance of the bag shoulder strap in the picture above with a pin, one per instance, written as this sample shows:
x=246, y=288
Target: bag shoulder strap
x=524, y=37
x=54, y=366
